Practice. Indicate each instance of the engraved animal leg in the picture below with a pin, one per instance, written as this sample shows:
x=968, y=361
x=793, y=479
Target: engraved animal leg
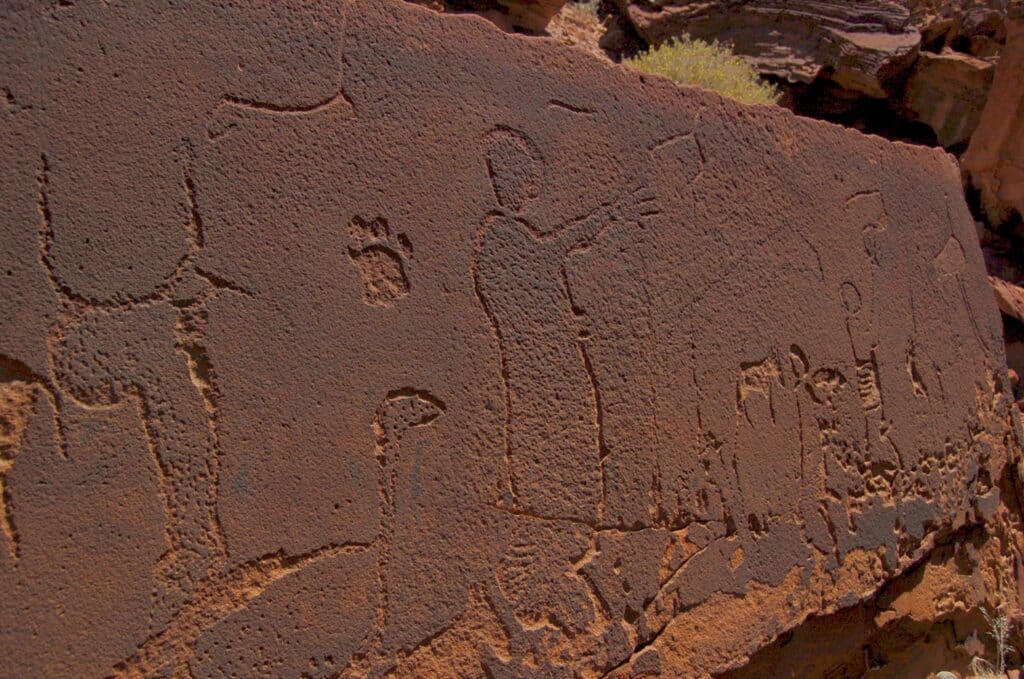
x=111, y=357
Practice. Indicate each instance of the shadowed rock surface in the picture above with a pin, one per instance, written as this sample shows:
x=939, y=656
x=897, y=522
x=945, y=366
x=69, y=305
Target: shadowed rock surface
x=524, y=15
x=947, y=92
x=995, y=158
x=336, y=350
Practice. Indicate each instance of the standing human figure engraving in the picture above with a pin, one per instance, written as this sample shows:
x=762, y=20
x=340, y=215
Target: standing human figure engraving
x=551, y=439
x=551, y=436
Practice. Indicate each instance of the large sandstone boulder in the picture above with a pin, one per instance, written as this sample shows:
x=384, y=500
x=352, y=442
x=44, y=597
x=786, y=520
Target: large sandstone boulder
x=995, y=157
x=864, y=46
x=531, y=14
x=330, y=349
x=975, y=27
x=947, y=92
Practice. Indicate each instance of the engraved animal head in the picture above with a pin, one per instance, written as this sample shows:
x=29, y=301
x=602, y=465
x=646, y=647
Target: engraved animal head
x=403, y=410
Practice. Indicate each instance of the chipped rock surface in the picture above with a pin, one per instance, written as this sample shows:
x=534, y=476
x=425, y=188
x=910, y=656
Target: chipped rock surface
x=335, y=350
x=1009, y=297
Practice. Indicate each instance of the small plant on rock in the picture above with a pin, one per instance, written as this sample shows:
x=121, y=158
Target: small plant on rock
x=999, y=628
x=711, y=66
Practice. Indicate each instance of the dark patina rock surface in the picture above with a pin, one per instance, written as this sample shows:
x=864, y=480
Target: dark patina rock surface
x=333, y=349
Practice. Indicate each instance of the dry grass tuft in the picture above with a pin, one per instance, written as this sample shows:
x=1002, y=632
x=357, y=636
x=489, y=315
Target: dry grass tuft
x=711, y=66
x=982, y=669
x=999, y=627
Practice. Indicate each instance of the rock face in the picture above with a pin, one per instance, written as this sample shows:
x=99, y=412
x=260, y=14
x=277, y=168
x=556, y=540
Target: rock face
x=862, y=46
x=995, y=157
x=527, y=15
x=531, y=14
x=331, y=349
x=947, y=92
x=1009, y=298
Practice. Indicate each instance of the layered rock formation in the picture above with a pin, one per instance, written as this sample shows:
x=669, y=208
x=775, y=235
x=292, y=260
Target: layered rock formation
x=947, y=92
x=995, y=158
x=336, y=350
x=883, y=65
x=861, y=45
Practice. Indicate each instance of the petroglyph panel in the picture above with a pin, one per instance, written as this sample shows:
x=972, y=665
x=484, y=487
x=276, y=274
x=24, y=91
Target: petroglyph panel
x=336, y=350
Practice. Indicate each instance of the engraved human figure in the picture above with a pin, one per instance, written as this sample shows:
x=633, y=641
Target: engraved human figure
x=826, y=405
x=863, y=466
x=551, y=438
x=551, y=441
x=765, y=413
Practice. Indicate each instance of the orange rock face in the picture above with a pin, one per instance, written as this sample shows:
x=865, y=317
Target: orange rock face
x=995, y=158
x=947, y=92
x=335, y=350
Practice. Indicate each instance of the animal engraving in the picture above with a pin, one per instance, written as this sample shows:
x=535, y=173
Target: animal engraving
x=146, y=351
x=757, y=378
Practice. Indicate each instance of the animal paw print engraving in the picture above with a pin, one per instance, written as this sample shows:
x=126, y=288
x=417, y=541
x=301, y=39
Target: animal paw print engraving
x=381, y=260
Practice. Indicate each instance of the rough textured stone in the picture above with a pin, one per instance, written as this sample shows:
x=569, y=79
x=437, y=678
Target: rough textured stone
x=532, y=14
x=995, y=157
x=863, y=46
x=580, y=27
x=973, y=27
x=947, y=92
x=1009, y=297
x=528, y=15
x=330, y=349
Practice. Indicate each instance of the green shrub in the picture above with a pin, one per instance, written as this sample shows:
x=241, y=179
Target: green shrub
x=708, y=65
